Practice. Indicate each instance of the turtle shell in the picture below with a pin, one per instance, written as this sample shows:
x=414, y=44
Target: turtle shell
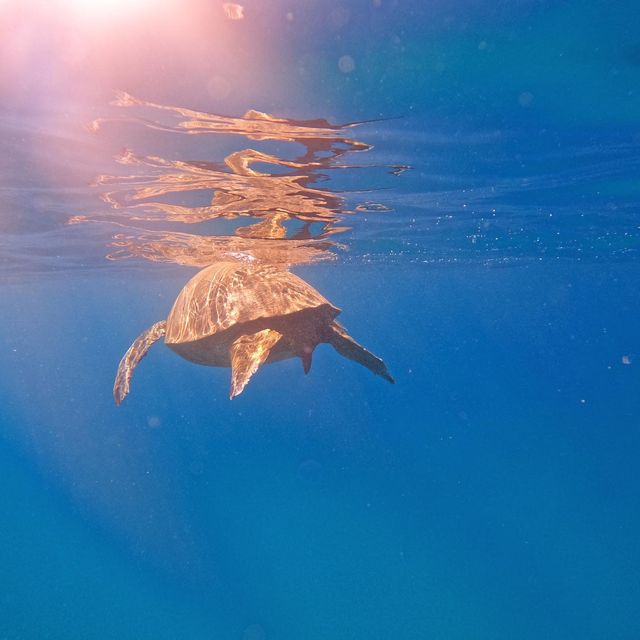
x=226, y=295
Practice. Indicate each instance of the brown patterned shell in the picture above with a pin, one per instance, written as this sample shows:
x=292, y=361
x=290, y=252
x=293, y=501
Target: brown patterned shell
x=225, y=295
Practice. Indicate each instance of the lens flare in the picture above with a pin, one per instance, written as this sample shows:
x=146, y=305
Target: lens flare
x=103, y=9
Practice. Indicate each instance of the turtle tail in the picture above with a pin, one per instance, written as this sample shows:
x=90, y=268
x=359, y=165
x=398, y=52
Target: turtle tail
x=134, y=354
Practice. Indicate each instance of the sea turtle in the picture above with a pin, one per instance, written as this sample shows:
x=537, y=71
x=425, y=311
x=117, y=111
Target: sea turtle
x=242, y=315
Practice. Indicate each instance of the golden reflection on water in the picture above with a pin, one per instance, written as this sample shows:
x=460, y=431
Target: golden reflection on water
x=317, y=135
x=246, y=183
x=200, y=251
x=237, y=189
x=244, y=308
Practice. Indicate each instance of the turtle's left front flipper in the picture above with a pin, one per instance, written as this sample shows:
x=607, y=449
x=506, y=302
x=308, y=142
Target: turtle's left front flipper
x=345, y=345
x=134, y=354
x=247, y=353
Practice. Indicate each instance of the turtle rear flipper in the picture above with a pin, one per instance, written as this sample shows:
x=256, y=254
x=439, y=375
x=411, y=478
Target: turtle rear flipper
x=134, y=354
x=346, y=346
x=247, y=353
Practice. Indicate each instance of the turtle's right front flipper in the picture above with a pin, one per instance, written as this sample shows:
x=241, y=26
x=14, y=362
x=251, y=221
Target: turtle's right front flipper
x=134, y=354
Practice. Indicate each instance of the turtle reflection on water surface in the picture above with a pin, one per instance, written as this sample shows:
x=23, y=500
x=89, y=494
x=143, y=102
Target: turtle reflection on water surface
x=241, y=316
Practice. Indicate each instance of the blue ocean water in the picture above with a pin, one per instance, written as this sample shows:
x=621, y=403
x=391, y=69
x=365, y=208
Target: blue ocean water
x=479, y=229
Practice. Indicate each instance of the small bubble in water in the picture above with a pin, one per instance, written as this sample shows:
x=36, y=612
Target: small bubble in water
x=254, y=632
x=525, y=99
x=346, y=64
x=626, y=359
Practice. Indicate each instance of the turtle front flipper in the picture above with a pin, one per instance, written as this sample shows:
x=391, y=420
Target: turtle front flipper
x=346, y=346
x=247, y=353
x=134, y=354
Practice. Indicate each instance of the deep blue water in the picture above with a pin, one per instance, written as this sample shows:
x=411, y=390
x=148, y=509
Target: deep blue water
x=486, y=246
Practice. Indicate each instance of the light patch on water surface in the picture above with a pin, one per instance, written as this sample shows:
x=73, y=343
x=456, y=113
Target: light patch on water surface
x=233, y=11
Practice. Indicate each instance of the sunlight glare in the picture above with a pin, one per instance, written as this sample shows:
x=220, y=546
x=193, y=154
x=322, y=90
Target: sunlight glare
x=103, y=9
